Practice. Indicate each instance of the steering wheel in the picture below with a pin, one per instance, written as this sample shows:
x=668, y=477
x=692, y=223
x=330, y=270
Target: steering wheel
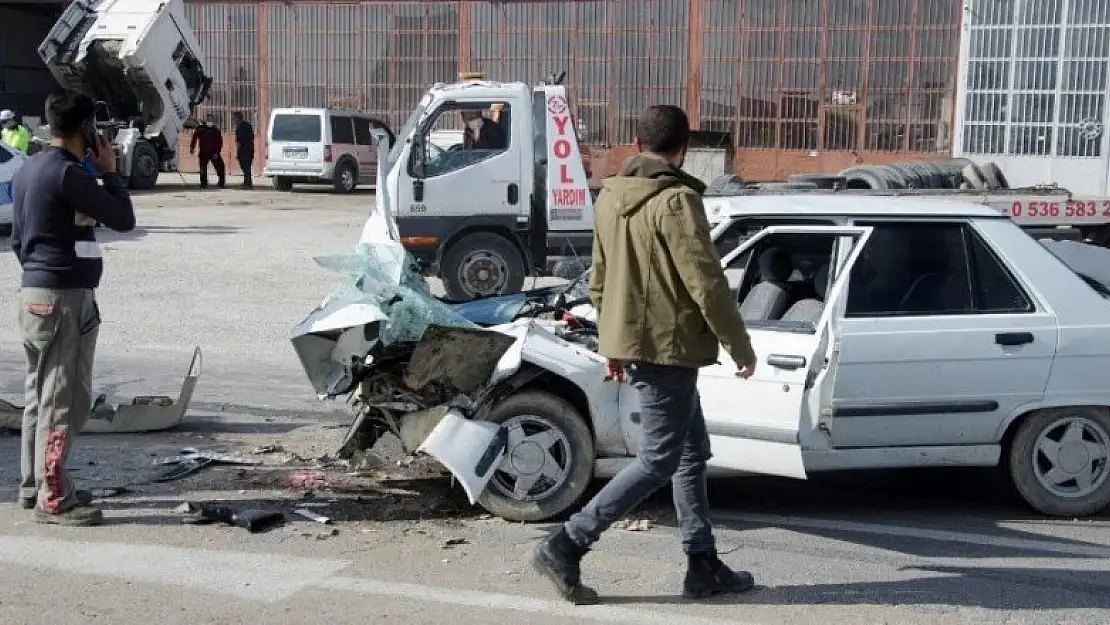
x=458, y=147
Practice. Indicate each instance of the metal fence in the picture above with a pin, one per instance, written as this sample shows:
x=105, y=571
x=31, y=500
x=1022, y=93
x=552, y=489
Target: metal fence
x=782, y=75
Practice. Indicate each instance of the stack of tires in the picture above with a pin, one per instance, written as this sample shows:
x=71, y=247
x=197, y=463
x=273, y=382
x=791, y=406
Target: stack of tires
x=956, y=173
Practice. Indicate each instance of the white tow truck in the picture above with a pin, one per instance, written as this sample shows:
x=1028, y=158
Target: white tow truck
x=482, y=220
x=141, y=60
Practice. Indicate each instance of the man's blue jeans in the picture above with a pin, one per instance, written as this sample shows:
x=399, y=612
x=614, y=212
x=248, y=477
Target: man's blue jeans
x=674, y=446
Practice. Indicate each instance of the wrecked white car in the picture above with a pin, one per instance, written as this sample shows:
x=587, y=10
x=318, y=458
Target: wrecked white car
x=890, y=333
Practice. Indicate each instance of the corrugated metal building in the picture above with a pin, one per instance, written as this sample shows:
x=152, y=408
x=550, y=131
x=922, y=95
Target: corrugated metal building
x=801, y=85
x=1033, y=90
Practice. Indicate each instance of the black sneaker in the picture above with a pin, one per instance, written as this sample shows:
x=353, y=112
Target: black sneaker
x=557, y=558
x=706, y=576
x=77, y=516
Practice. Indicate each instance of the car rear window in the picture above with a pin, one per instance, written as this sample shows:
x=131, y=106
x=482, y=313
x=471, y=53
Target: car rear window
x=289, y=127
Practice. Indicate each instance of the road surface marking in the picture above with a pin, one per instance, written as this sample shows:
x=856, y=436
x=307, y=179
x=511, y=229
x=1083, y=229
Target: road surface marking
x=920, y=533
x=269, y=578
x=515, y=603
x=254, y=577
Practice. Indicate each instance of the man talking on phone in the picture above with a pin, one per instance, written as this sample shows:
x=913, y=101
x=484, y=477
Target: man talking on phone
x=57, y=204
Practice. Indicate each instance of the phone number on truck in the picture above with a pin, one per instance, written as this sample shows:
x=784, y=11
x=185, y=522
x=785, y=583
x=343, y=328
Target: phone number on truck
x=1090, y=211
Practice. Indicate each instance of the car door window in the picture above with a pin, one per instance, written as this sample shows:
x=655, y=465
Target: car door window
x=460, y=136
x=342, y=130
x=916, y=268
x=785, y=280
x=362, y=131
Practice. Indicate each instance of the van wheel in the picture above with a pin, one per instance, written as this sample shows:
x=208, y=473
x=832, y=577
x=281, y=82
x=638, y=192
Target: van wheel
x=144, y=166
x=346, y=178
x=549, y=461
x=481, y=264
x=1059, y=460
x=281, y=183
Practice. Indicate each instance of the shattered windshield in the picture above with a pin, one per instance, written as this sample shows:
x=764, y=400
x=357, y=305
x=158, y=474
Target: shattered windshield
x=406, y=131
x=579, y=288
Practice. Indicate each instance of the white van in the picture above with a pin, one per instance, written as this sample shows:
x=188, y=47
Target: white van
x=322, y=146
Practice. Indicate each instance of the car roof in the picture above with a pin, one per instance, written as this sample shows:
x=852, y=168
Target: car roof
x=811, y=204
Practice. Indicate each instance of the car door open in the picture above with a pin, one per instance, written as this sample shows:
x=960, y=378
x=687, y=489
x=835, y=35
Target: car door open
x=796, y=275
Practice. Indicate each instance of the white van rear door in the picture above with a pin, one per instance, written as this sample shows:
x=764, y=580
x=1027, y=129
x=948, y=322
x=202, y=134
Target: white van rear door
x=297, y=141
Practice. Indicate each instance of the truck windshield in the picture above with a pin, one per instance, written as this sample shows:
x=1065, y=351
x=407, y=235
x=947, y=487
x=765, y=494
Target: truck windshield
x=293, y=127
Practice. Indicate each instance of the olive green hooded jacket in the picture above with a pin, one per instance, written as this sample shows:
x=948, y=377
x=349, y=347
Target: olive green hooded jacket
x=657, y=282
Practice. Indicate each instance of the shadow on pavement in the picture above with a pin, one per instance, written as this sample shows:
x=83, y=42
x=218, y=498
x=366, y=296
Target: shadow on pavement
x=106, y=235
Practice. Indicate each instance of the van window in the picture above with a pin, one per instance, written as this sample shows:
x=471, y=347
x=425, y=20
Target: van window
x=292, y=127
x=362, y=131
x=342, y=130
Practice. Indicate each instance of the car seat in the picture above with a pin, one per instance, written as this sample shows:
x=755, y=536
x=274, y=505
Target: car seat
x=770, y=297
x=809, y=309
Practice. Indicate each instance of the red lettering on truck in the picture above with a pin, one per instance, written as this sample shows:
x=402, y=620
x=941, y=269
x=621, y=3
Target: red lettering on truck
x=568, y=197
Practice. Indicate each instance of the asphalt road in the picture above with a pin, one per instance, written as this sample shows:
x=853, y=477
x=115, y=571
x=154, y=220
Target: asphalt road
x=231, y=271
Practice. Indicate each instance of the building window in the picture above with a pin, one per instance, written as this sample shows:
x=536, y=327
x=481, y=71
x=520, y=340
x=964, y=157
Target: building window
x=1036, y=77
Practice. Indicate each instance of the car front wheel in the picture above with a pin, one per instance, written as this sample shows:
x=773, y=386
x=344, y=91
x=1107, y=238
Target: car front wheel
x=1059, y=460
x=549, y=461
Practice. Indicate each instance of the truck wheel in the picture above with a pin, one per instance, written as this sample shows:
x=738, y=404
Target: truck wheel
x=1059, y=461
x=346, y=178
x=281, y=183
x=549, y=462
x=481, y=264
x=144, y=166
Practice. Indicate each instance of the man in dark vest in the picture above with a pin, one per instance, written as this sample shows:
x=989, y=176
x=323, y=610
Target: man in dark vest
x=244, y=148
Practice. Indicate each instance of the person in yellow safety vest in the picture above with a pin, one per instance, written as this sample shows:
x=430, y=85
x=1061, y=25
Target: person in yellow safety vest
x=14, y=133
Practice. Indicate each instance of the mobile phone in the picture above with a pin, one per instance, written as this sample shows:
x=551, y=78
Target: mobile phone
x=92, y=137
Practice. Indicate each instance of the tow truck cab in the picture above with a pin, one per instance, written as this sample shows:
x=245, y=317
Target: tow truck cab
x=484, y=213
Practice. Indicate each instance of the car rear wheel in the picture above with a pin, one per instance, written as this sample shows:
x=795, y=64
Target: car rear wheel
x=549, y=462
x=1059, y=460
x=346, y=178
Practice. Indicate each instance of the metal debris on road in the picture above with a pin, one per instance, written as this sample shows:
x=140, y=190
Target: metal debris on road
x=312, y=516
x=252, y=520
x=109, y=491
x=452, y=542
x=632, y=525
x=192, y=460
x=267, y=449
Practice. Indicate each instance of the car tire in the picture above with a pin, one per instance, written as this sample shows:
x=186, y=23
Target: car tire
x=346, y=178
x=281, y=183
x=144, y=166
x=1036, y=474
x=467, y=263
x=573, y=450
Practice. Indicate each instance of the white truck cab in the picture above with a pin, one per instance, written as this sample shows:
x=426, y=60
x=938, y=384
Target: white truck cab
x=141, y=61
x=509, y=197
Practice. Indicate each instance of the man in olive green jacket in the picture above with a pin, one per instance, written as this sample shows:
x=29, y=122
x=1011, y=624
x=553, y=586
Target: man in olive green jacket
x=664, y=307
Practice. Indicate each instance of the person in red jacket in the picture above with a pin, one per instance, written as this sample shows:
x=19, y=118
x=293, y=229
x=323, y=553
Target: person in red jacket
x=210, y=140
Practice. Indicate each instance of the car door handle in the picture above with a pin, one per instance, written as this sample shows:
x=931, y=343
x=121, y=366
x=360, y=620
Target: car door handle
x=784, y=361
x=514, y=194
x=1013, y=338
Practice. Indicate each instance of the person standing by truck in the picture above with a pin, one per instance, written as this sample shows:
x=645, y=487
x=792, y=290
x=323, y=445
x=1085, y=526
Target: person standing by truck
x=57, y=205
x=210, y=140
x=663, y=306
x=14, y=133
x=244, y=148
